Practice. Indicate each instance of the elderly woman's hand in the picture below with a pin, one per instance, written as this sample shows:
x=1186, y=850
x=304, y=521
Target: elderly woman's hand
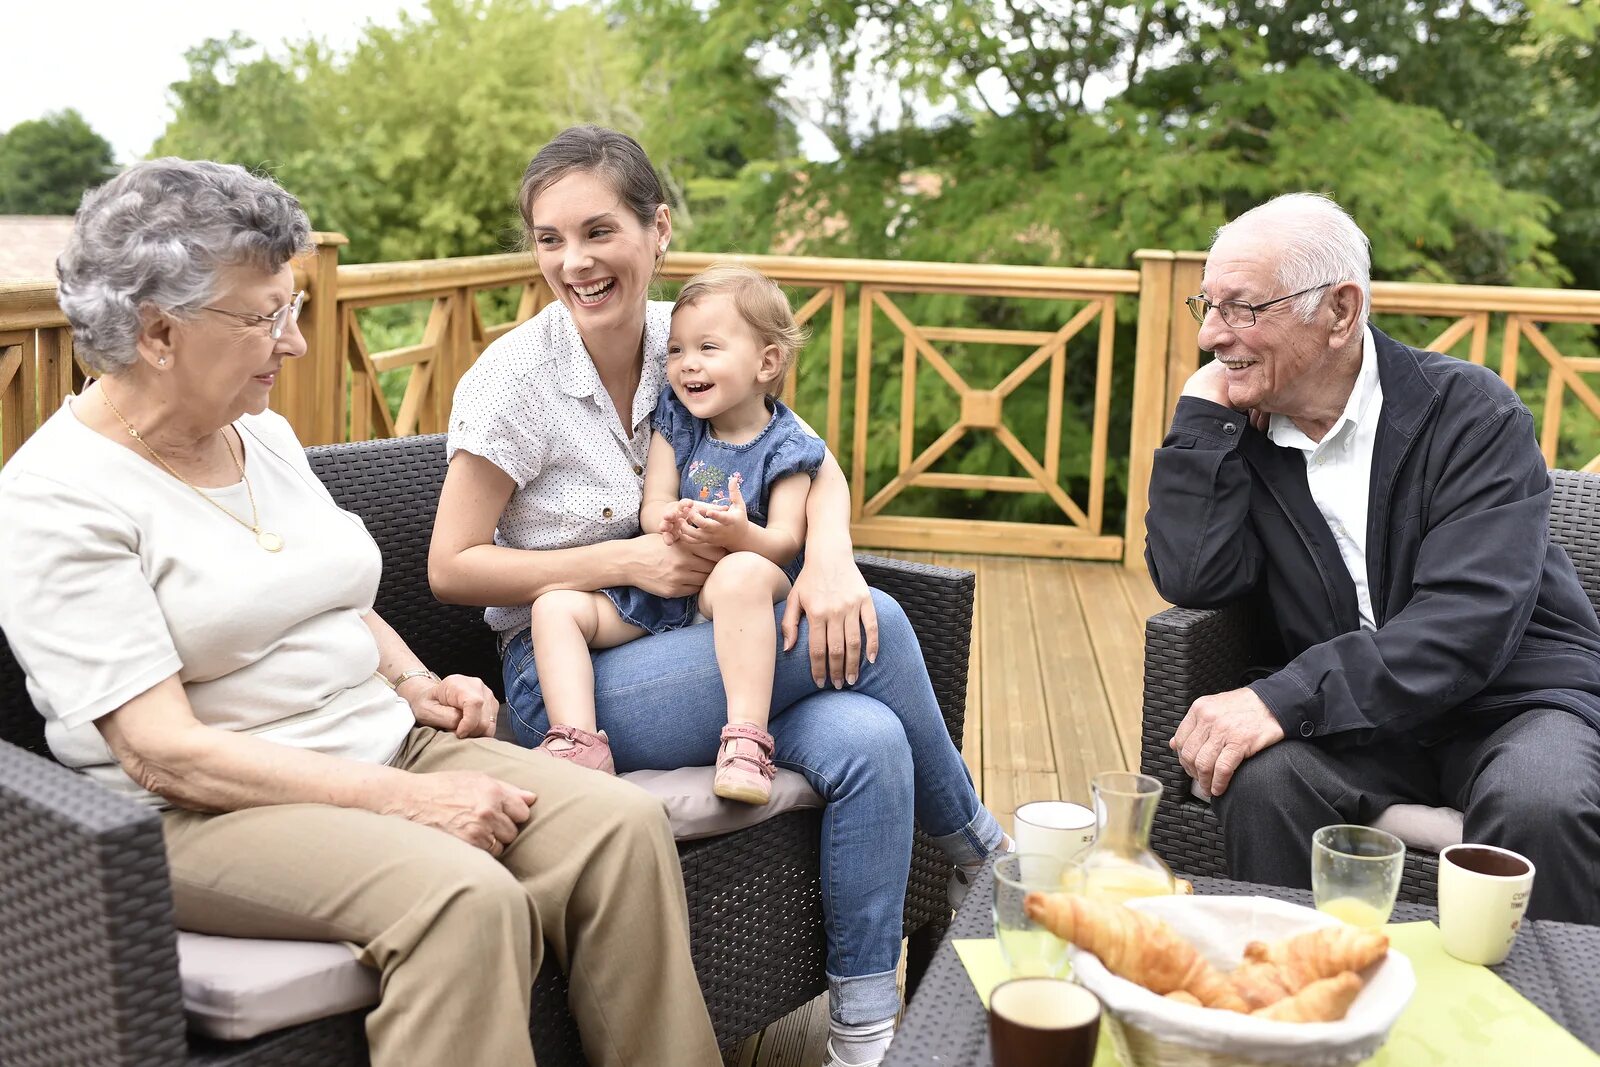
x=482, y=811
x=462, y=705
x=831, y=592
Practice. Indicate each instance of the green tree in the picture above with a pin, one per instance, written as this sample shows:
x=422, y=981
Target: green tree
x=412, y=144
x=46, y=164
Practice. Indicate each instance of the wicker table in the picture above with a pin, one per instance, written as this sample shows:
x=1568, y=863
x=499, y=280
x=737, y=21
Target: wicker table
x=1552, y=964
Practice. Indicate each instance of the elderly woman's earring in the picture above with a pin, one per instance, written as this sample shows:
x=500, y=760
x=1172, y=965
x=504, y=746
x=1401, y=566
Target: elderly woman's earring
x=161, y=361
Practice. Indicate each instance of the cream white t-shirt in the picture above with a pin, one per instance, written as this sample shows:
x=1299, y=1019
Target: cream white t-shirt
x=114, y=576
x=534, y=406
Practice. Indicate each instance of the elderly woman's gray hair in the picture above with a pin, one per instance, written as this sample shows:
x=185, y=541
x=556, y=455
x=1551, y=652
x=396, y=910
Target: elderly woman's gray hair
x=1317, y=242
x=156, y=236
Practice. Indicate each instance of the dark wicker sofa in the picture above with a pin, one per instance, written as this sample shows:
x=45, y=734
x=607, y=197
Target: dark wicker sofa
x=88, y=959
x=1190, y=653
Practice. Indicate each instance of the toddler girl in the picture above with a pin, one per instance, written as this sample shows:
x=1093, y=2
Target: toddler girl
x=729, y=470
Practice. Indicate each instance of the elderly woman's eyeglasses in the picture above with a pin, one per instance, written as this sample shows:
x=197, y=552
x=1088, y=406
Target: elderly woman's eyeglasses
x=279, y=319
x=1237, y=313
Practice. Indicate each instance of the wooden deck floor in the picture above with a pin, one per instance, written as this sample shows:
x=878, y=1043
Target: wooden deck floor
x=1053, y=698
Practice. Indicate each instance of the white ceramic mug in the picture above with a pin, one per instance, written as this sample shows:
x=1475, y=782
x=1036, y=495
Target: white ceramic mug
x=1483, y=893
x=1054, y=828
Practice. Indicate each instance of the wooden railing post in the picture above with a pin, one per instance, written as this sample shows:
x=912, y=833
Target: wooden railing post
x=1156, y=268
x=311, y=394
x=1183, y=345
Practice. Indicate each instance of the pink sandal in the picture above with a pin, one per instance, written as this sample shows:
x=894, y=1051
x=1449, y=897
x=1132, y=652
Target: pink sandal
x=742, y=775
x=579, y=746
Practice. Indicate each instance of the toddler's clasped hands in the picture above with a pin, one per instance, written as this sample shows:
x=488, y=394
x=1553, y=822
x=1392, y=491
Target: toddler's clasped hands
x=699, y=523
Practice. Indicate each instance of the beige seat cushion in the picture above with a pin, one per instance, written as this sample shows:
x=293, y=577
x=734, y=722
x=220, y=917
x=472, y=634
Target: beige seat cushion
x=696, y=812
x=1422, y=827
x=238, y=987
x=1419, y=826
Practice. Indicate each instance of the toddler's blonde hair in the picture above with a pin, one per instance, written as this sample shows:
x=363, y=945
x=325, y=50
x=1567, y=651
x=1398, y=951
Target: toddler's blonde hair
x=759, y=302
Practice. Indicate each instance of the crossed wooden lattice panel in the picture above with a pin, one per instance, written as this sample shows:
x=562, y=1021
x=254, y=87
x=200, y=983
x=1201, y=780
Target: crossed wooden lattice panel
x=1565, y=371
x=983, y=410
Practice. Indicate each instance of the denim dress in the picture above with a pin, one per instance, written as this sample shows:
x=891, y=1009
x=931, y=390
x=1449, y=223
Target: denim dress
x=705, y=466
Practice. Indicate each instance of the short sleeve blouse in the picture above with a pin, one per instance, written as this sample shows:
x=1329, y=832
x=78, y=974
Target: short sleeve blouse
x=534, y=406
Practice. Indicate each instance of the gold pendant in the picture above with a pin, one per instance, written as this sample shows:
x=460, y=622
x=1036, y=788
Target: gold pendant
x=269, y=541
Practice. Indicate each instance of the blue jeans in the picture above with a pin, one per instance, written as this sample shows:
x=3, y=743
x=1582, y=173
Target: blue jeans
x=878, y=752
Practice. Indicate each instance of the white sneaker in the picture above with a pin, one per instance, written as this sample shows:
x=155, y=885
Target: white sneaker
x=833, y=1059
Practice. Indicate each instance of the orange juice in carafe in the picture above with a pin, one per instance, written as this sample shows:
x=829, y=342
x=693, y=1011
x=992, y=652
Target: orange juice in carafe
x=1121, y=865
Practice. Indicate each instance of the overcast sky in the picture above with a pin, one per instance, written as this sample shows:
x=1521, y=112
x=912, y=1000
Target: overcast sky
x=113, y=61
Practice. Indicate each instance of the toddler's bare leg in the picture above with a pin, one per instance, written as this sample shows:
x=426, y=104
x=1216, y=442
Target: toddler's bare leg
x=738, y=599
x=566, y=624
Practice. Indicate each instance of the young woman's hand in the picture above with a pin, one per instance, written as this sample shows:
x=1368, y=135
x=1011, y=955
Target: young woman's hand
x=832, y=594
x=671, y=569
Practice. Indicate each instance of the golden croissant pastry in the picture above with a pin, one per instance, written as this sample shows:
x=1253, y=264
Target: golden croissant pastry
x=1323, y=1001
x=1283, y=968
x=1138, y=947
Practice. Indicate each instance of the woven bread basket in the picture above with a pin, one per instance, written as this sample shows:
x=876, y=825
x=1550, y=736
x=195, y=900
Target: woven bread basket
x=1152, y=1031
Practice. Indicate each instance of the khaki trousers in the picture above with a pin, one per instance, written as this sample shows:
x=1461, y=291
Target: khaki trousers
x=456, y=935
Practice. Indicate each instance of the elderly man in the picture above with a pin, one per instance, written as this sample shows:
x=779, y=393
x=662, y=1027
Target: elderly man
x=1390, y=509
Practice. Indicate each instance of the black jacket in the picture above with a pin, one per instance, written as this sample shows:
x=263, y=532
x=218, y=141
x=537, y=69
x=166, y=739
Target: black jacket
x=1480, y=615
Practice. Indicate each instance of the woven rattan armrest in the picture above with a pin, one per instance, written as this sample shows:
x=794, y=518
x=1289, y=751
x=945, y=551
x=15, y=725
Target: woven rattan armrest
x=88, y=954
x=1189, y=653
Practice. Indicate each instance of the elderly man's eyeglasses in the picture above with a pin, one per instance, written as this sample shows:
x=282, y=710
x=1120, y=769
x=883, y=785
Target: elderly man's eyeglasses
x=1237, y=313
x=279, y=319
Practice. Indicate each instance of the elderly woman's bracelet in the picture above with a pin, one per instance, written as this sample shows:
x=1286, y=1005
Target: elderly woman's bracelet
x=406, y=676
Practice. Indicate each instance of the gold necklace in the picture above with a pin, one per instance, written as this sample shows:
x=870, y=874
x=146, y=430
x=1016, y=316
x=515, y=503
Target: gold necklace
x=266, y=539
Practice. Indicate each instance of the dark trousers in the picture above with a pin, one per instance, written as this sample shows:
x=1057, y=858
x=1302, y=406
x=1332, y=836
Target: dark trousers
x=1531, y=785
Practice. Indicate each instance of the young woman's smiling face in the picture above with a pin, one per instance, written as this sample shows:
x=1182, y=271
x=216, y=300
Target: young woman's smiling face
x=593, y=251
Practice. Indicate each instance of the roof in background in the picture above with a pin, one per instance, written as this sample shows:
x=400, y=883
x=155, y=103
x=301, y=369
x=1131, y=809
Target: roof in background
x=29, y=245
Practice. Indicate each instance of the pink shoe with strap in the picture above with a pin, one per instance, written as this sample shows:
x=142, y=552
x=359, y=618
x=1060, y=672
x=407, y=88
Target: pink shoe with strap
x=579, y=746
x=744, y=765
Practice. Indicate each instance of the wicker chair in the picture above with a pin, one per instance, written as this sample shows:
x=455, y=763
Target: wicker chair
x=88, y=959
x=1190, y=653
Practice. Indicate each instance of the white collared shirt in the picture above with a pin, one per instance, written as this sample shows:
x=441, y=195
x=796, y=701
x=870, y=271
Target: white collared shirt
x=533, y=405
x=1339, y=470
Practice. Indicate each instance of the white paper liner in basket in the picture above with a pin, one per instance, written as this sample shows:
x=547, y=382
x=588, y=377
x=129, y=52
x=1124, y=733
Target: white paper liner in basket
x=1157, y=1031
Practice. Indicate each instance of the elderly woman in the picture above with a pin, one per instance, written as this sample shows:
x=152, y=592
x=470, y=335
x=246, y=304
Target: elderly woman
x=548, y=438
x=194, y=616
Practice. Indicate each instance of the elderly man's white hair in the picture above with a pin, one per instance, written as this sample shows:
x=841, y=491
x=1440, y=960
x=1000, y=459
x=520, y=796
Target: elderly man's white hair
x=1317, y=242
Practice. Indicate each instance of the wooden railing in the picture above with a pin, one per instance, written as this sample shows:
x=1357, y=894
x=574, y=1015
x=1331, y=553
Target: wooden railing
x=888, y=401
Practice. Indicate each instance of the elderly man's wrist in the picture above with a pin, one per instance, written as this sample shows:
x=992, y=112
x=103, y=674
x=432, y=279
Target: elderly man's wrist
x=1209, y=421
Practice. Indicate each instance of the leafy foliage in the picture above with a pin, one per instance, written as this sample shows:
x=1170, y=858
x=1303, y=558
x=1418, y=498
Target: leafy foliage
x=412, y=144
x=46, y=164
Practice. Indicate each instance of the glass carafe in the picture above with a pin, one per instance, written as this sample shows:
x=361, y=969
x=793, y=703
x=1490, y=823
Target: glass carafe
x=1121, y=865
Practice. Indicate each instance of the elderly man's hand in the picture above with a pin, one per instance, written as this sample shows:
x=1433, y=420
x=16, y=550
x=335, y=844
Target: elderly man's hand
x=1221, y=732
x=1210, y=382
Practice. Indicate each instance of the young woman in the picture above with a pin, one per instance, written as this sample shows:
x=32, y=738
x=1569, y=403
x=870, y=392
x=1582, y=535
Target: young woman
x=730, y=467
x=549, y=437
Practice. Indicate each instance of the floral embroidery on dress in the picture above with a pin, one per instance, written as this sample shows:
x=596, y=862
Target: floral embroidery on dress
x=710, y=481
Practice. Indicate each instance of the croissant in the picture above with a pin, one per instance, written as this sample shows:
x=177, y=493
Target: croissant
x=1259, y=984
x=1319, y=953
x=1183, y=996
x=1138, y=947
x=1323, y=1001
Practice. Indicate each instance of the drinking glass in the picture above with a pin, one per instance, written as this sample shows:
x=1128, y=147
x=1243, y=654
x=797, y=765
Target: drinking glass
x=1029, y=949
x=1355, y=873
